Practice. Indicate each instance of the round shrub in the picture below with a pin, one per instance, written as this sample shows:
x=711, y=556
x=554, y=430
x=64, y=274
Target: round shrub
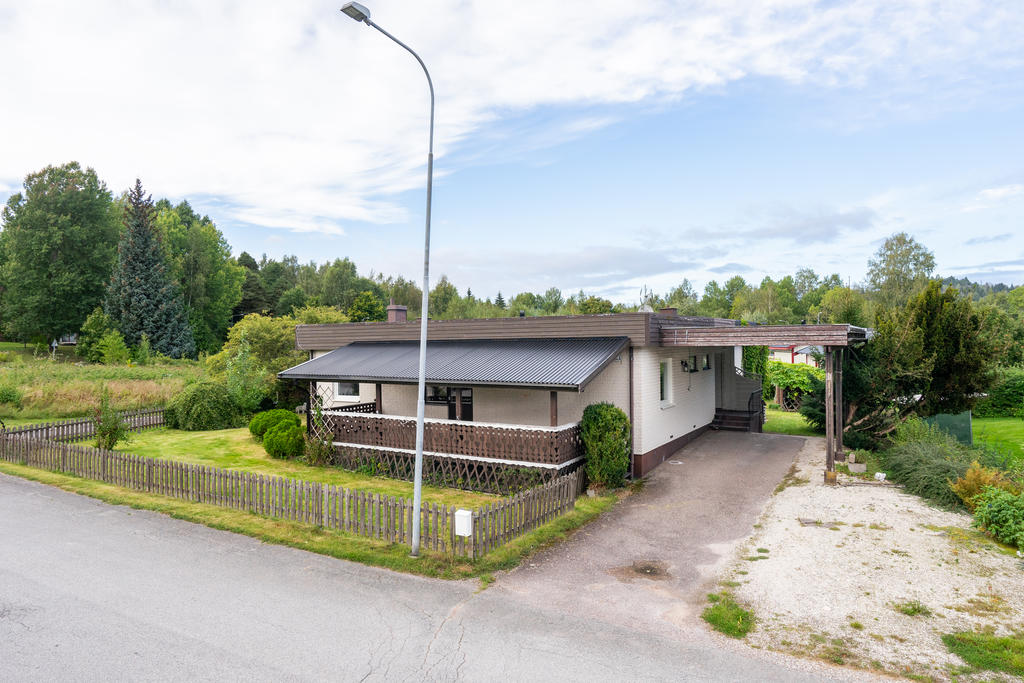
x=262, y=422
x=284, y=441
x=605, y=434
x=202, y=406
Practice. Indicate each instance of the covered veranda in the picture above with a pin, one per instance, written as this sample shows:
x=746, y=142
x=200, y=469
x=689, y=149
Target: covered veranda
x=535, y=386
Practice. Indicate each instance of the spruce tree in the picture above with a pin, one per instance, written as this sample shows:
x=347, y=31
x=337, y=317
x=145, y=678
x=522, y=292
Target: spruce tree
x=142, y=298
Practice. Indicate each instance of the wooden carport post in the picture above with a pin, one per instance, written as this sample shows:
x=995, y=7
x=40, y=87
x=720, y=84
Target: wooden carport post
x=838, y=370
x=830, y=417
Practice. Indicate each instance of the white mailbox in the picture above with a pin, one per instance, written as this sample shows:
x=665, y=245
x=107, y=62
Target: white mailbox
x=463, y=522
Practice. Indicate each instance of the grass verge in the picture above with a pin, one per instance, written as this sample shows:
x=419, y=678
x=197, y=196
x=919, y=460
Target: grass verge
x=988, y=652
x=726, y=616
x=328, y=541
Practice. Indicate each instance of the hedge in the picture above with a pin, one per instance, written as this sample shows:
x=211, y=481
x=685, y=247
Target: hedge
x=605, y=431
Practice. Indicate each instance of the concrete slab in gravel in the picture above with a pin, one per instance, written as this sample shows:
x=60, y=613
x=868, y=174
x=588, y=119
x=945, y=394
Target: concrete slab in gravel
x=648, y=563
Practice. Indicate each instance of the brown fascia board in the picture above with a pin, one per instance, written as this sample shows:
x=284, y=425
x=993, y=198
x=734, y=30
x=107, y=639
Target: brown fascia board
x=636, y=326
x=763, y=335
x=642, y=328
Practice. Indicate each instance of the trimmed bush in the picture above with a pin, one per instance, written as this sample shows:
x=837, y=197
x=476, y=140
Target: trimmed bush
x=1006, y=397
x=977, y=479
x=262, y=422
x=202, y=406
x=284, y=441
x=605, y=434
x=1001, y=514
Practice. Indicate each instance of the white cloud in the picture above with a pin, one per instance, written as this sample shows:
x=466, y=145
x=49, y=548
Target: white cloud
x=295, y=117
x=1003, y=192
x=989, y=197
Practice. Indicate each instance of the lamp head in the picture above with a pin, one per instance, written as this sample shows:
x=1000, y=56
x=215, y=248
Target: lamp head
x=356, y=11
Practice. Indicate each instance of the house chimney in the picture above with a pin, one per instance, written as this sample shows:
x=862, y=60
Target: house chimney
x=396, y=313
x=667, y=311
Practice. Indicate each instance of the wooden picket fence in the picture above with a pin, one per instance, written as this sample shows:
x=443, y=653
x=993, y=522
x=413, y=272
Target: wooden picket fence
x=84, y=428
x=365, y=514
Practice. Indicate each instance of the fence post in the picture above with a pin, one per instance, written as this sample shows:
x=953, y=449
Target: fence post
x=149, y=475
x=323, y=505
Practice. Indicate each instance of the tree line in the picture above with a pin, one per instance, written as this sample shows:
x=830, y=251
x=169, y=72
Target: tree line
x=69, y=250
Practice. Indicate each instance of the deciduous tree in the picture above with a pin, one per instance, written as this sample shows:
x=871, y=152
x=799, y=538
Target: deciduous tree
x=900, y=269
x=58, y=247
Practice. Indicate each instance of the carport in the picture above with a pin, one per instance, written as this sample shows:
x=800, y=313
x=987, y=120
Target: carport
x=833, y=338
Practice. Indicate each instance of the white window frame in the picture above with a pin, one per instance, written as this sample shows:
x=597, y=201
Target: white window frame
x=665, y=384
x=339, y=397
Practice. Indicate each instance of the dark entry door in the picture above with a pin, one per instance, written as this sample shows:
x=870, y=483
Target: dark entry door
x=463, y=396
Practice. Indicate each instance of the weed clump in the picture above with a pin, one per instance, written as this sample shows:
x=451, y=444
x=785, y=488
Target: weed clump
x=726, y=616
x=913, y=608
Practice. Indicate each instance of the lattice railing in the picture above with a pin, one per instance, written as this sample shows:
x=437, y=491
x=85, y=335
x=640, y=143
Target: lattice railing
x=357, y=408
x=321, y=396
x=549, y=446
x=462, y=473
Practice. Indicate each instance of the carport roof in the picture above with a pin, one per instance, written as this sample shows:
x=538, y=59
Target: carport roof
x=569, y=363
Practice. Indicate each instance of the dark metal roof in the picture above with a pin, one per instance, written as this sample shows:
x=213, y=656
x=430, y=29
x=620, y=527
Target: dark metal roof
x=539, y=363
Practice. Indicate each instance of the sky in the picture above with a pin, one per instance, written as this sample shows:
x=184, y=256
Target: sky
x=603, y=146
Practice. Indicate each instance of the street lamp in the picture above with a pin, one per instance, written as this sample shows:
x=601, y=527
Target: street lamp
x=360, y=13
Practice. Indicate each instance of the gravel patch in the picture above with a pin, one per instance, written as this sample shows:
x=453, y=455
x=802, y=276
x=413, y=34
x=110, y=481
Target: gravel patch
x=868, y=576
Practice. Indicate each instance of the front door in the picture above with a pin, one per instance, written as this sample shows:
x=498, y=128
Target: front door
x=719, y=362
x=460, y=404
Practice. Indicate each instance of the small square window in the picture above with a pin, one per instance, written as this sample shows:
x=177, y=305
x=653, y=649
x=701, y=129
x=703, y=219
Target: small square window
x=346, y=390
x=436, y=394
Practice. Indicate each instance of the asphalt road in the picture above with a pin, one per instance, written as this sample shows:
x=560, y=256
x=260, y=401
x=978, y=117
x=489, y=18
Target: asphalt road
x=90, y=591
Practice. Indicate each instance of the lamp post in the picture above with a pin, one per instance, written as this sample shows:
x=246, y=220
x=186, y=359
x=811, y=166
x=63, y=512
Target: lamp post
x=360, y=13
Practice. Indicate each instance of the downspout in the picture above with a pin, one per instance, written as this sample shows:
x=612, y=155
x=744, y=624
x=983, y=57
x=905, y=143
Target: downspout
x=632, y=430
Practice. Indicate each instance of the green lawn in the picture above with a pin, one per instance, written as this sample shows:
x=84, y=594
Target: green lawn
x=1004, y=433
x=781, y=422
x=235, y=449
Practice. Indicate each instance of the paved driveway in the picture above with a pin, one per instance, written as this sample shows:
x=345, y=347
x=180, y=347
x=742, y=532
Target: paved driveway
x=94, y=592
x=649, y=562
